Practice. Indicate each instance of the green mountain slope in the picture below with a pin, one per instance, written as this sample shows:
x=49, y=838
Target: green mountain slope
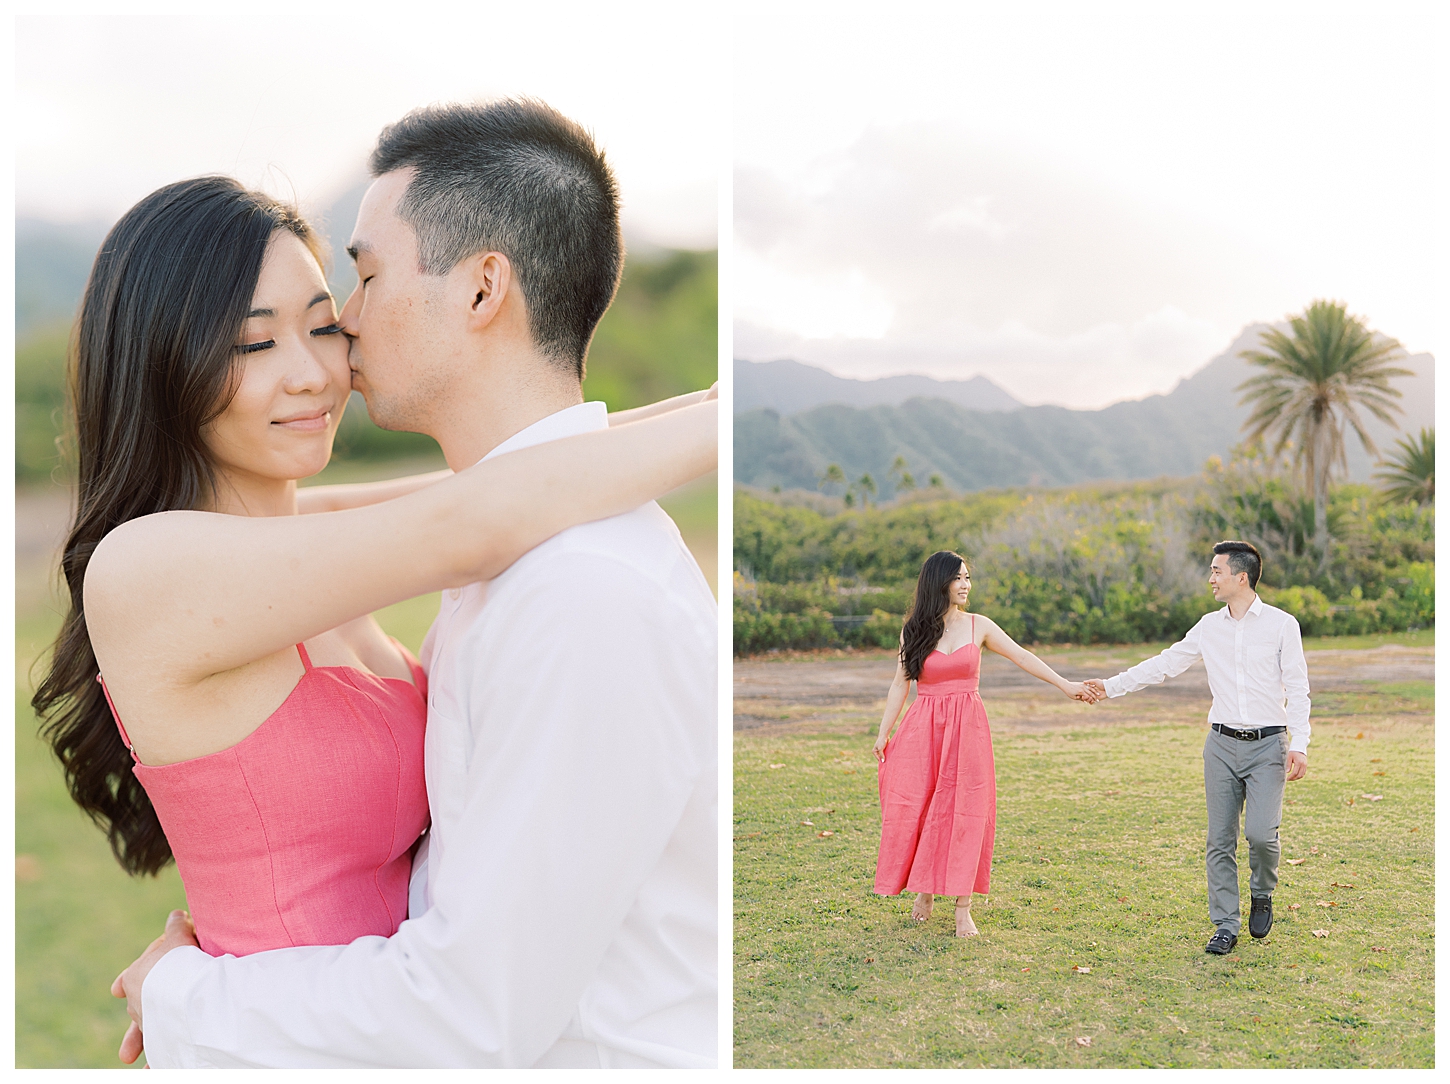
x=1171, y=434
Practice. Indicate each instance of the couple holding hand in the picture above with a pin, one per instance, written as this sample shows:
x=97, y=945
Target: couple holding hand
x=937, y=779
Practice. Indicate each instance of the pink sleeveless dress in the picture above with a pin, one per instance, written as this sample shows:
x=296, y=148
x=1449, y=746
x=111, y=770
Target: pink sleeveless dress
x=938, y=785
x=302, y=833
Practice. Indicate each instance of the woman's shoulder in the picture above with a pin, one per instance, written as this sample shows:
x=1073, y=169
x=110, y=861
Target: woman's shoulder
x=133, y=551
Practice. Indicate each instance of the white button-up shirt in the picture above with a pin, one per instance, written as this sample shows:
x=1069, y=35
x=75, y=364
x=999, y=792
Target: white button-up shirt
x=1256, y=670
x=565, y=913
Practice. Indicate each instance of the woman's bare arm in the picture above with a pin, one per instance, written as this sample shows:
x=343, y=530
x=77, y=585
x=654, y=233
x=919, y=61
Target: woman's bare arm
x=664, y=406
x=187, y=595
x=895, y=699
x=336, y=498
x=997, y=640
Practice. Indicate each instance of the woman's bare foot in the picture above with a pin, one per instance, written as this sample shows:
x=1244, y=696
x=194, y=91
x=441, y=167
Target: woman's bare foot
x=921, y=909
x=965, y=926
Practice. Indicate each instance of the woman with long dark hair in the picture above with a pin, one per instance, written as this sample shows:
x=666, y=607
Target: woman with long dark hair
x=937, y=780
x=218, y=693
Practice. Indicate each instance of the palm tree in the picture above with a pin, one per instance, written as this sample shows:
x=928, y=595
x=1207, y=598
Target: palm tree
x=833, y=475
x=866, y=485
x=1411, y=476
x=1317, y=379
x=902, y=477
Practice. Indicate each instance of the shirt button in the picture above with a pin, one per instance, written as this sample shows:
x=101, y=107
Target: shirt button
x=455, y=593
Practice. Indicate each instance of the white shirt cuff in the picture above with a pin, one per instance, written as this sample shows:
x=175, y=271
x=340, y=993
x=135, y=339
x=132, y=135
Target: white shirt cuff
x=163, y=1006
x=1114, y=686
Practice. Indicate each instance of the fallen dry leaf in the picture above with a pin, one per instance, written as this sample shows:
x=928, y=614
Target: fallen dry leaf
x=1184, y=1030
x=1358, y=736
x=1026, y=970
x=1336, y=884
x=1379, y=773
x=1375, y=760
x=1122, y=899
x=808, y=824
x=1321, y=933
x=1325, y=903
x=1296, y=861
x=1294, y=906
x=1082, y=970
x=1378, y=948
x=1084, y=1040
x=775, y=765
x=825, y=835
x=1313, y=850
x=870, y=959
x=1373, y=797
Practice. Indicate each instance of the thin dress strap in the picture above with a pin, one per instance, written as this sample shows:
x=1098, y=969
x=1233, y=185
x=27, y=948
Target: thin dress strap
x=125, y=738
x=974, y=630
x=306, y=662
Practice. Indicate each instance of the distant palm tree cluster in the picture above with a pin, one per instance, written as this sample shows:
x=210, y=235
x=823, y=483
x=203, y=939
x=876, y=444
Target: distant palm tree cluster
x=863, y=489
x=1317, y=379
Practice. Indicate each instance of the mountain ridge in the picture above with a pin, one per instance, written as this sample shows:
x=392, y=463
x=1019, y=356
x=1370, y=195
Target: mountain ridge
x=789, y=387
x=1168, y=434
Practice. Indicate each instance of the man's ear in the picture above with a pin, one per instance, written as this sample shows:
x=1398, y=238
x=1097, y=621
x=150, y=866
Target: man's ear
x=488, y=278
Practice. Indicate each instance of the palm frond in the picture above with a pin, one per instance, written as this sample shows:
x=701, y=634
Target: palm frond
x=1410, y=471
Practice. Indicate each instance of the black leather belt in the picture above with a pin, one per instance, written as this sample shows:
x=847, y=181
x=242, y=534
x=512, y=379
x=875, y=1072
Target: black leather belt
x=1248, y=735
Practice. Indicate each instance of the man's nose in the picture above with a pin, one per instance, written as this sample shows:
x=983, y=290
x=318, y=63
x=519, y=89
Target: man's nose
x=347, y=319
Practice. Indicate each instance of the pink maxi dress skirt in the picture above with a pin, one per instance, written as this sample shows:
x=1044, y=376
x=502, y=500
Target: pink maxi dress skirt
x=939, y=786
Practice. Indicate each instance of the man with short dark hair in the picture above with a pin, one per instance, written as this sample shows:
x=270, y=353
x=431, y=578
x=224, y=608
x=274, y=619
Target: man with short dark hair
x=563, y=907
x=1258, y=735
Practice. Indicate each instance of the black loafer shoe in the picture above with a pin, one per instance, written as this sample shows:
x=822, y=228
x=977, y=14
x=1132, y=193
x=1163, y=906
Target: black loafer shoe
x=1261, y=916
x=1221, y=943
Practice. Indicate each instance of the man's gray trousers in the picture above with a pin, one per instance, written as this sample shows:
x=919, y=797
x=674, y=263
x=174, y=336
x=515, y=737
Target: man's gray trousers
x=1245, y=776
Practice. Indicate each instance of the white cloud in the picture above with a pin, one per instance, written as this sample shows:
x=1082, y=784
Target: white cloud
x=824, y=305
x=1035, y=189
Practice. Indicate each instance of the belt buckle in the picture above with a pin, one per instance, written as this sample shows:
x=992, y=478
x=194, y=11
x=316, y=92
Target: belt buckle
x=1248, y=735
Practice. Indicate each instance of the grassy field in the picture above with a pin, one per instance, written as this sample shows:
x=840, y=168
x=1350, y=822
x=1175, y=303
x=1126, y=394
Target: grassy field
x=1091, y=951
x=78, y=918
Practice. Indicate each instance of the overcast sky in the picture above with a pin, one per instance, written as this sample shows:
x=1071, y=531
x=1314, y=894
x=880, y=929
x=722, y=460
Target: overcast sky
x=1083, y=203
x=115, y=100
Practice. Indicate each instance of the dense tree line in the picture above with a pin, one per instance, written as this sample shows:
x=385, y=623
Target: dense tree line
x=1103, y=563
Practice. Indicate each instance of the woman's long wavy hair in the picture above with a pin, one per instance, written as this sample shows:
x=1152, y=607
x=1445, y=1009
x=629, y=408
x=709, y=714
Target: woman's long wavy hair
x=152, y=363
x=927, y=620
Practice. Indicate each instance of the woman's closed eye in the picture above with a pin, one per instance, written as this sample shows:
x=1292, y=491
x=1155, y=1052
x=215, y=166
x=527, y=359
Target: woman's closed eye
x=267, y=344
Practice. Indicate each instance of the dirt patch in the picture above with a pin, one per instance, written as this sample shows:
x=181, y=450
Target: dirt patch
x=847, y=692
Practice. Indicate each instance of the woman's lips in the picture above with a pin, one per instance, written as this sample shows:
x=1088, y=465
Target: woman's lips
x=306, y=423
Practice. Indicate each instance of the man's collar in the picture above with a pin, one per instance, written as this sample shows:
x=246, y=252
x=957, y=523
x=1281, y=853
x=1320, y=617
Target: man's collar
x=580, y=418
x=1256, y=607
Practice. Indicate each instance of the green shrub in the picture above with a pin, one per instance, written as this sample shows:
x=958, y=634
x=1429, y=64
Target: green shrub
x=1120, y=563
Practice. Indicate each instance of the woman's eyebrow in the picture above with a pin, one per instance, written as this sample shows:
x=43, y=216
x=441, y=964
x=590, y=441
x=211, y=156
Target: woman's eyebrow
x=258, y=313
